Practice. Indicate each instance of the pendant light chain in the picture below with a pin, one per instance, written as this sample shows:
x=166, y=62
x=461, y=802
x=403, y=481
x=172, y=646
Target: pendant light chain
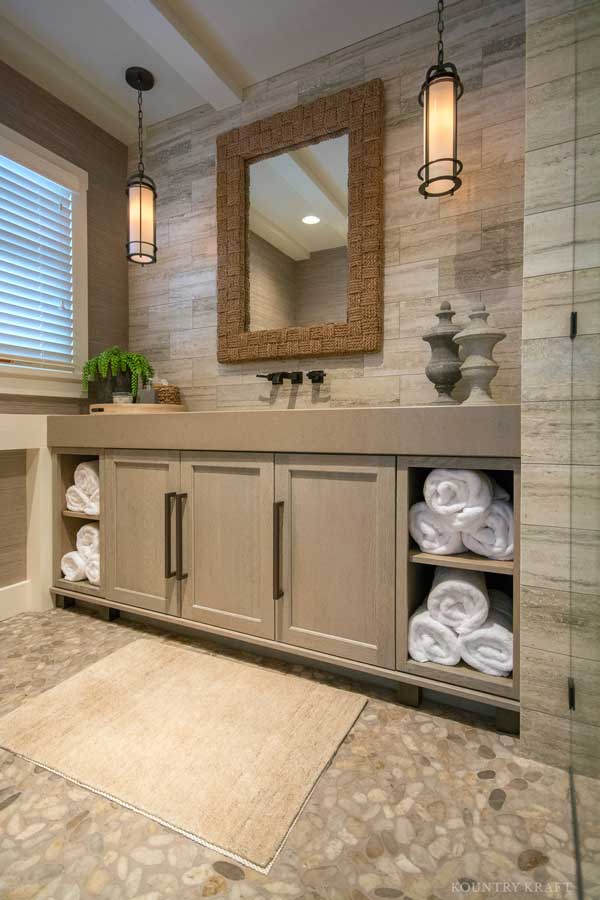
x=140, y=135
x=440, y=28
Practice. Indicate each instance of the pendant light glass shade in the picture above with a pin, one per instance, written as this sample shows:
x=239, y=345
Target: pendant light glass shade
x=440, y=93
x=141, y=201
x=439, y=97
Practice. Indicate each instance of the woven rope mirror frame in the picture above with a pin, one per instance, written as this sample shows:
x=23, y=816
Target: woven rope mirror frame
x=358, y=112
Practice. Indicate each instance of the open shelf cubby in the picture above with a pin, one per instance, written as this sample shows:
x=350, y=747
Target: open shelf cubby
x=66, y=522
x=416, y=569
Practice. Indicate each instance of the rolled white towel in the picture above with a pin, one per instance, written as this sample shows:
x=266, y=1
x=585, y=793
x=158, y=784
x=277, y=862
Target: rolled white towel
x=88, y=541
x=432, y=533
x=458, y=599
x=489, y=648
x=92, y=569
x=494, y=535
x=92, y=507
x=430, y=641
x=87, y=477
x=461, y=496
x=76, y=500
x=73, y=566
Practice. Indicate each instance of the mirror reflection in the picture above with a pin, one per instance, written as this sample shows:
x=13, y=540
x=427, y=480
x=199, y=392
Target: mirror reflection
x=298, y=237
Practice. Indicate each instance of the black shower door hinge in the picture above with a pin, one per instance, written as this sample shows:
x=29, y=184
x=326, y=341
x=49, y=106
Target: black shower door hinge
x=573, y=330
x=571, y=693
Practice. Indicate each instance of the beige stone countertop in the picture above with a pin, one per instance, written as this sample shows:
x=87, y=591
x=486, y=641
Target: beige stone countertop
x=406, y=431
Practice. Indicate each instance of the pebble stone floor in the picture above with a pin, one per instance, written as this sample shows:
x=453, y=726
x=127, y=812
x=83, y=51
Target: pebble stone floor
x=418, y=803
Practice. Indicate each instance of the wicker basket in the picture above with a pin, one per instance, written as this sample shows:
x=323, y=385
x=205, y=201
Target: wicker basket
x=167, y=393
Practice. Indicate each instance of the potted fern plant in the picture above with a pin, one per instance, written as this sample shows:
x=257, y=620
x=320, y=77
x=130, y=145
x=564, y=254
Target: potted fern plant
x=115, y=370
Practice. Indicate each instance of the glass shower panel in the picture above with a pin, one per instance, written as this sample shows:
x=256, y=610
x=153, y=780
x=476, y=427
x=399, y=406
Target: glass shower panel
x=584, y=532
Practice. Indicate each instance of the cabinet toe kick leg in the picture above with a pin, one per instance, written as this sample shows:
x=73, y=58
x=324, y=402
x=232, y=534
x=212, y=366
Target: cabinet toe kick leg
x=507, y=721
x=63, y=602
x=108, y=613
x=408, y=694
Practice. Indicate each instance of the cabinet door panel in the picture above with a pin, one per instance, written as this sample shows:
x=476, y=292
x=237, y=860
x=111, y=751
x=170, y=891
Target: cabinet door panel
x=135, y=531
x=337, y=564
x=228, y=535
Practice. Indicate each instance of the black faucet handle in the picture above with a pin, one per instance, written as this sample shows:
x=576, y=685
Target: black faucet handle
x=296, y=377
x=317, y=376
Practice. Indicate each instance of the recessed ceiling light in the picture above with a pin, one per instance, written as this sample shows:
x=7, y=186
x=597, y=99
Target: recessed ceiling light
x=311, y=220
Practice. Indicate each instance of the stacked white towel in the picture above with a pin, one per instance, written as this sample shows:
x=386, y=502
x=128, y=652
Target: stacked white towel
x=432, y=533
x=489, y=648
x=84, y=562
x=431, y=641
x=84, y=494
x=463, y=509
x=459, y=599
x=463, y=620
x=73, y=566
x=494, y=534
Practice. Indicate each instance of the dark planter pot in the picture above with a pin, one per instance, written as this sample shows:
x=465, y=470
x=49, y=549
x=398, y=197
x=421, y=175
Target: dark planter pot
x=102, y=389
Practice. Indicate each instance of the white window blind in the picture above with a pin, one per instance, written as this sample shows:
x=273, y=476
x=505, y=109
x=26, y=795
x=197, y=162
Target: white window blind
x=36, y=269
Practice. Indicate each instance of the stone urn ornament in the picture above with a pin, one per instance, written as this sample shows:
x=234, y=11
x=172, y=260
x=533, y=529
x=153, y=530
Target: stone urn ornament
x=443, y=369
x=477, y=342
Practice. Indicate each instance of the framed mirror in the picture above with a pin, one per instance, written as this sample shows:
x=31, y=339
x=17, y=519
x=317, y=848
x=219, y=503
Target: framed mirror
x=300, y=230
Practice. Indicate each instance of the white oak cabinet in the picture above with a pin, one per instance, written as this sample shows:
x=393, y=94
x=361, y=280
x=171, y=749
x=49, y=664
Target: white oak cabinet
x=228, y=541
x=337, y=555
x=139, y=538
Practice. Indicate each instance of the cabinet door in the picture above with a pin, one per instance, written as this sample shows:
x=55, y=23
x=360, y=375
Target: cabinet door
x=137, y=531
x=337, y=555
x=228, y=540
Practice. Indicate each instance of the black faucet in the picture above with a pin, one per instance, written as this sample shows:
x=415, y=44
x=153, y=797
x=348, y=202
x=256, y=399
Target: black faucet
x=275, y=377
x=317, y=376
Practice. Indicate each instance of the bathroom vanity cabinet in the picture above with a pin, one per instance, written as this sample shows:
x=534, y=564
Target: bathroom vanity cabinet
x=306, y=553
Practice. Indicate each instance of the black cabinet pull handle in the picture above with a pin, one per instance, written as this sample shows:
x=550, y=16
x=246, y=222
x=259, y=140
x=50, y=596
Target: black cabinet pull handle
x=277, y=513
x=180, y=574
x=169, y=573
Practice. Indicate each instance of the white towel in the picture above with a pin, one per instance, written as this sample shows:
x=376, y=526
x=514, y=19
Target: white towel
x=489, y=648
x=461, y=496
x=88, y=541
x=92, y=569
x=458, y=599
x=430, y=641
x=432, y=533
x=494, y=535
x=87, y=477
x=93, y=505
x=76, y=500
x=73, y=566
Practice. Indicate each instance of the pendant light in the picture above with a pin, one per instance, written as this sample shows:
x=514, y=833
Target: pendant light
x=441, y=91
x=141, y=190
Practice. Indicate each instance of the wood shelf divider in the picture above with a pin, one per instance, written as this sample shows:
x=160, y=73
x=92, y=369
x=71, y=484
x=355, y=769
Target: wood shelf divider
x=72, y=514
x=468, y=560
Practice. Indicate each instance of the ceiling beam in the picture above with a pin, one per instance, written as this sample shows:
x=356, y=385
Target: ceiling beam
x=273, y=234
x=312, y=187
x=156, y=23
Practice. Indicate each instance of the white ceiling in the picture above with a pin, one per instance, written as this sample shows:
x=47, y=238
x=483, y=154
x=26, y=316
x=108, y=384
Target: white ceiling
x=200, y=51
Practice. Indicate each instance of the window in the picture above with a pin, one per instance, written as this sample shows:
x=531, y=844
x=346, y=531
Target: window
x=43, y=269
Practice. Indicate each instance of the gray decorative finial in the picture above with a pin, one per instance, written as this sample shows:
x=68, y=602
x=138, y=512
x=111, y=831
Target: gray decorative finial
x=443, y=369
x=477, y=342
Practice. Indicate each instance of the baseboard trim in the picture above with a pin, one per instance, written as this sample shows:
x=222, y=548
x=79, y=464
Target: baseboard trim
x=16, y=598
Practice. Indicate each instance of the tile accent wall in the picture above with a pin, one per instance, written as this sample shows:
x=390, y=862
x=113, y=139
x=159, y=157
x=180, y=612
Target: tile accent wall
x=560, y=607
x=464, y=248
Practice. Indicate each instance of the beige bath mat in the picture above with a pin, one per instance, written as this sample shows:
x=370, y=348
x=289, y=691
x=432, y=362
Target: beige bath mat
x=222, y=751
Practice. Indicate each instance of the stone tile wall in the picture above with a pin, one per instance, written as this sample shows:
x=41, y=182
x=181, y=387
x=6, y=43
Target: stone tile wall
x=463, y=248
x=560, y=607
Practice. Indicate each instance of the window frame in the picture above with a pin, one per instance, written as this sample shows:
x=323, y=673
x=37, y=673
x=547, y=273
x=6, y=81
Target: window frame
x=35, y=380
